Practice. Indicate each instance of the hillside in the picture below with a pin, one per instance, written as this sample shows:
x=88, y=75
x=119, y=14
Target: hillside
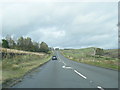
x=109, y=58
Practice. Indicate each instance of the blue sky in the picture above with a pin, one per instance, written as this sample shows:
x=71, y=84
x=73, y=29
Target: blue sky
x=63, y=24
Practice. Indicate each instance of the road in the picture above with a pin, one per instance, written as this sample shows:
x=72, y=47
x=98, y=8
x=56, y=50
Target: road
x=64, y=73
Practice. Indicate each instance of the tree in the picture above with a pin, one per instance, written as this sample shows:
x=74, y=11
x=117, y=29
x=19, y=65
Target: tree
x=5, y=43
x=56, y=48
x=20, y=43
x=44, y=47
x=28, y=44
x=24, y=44
x=36, y=46
x=10, y=41
x=99, y=51
x=51, y=48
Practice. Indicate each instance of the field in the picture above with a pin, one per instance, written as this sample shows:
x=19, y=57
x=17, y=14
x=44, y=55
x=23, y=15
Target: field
x=15, y=67
x=109, y=59
x=13, y=52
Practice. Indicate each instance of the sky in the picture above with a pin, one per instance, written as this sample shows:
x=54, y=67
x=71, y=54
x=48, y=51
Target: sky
x=63, y=24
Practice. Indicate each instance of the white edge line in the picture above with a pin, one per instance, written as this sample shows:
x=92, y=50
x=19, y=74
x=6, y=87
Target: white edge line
x=80, y=74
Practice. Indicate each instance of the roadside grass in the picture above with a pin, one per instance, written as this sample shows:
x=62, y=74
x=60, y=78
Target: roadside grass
x=86, y=55
x=16, y=67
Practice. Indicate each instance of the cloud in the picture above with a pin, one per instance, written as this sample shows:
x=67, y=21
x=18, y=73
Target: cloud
x=49, y=35
x=63, y=24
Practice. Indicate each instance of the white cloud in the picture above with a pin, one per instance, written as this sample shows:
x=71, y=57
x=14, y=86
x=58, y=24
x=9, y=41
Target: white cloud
x=63, y=24
x=53, y=34
x=83, y=19
x=49, y=35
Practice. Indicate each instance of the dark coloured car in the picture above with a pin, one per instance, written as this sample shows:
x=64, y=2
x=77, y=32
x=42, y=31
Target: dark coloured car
x=54, y=58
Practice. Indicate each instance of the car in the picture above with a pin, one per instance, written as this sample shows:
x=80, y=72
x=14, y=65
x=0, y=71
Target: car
x=54, y=58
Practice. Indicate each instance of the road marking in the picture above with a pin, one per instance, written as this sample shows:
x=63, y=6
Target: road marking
x=100, y=88
x=63, y=66
x=62, y=61
x=80, y=74
x=59, y=58
x=66, y=67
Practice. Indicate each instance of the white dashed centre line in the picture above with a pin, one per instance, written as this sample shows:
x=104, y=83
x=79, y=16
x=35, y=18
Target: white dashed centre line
x=66, y=67
x=62, y=61
x=63, y=66
x=80, y=74
x=100, y=88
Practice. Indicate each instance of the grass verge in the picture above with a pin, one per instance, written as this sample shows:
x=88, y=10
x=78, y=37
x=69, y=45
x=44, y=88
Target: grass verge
x=86, y=56
x=17, y=67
